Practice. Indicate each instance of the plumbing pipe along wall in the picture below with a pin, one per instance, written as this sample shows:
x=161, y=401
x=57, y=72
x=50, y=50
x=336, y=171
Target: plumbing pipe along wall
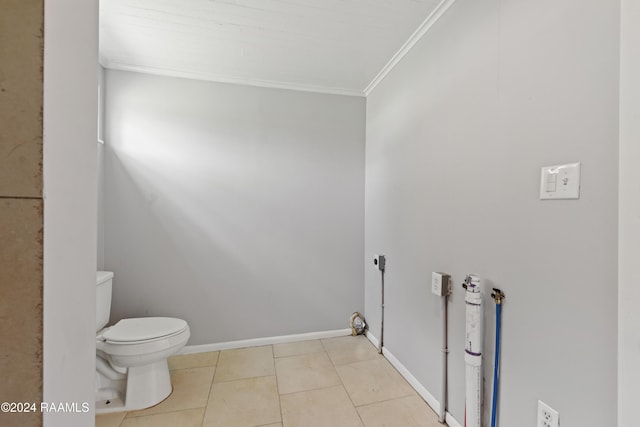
x=498, y=296
x=380, y=344
x=473, y=351
x=445, y=351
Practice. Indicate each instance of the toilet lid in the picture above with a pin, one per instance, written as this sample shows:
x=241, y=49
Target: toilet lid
x=143, y=328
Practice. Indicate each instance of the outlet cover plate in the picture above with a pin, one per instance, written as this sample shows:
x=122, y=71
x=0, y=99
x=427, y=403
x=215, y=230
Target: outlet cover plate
x=547, y=416
x=560, y=181
x=440, y=284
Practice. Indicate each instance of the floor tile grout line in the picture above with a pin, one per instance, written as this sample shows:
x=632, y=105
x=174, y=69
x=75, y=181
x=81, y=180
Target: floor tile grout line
x=213, y=380
x=249, y=377
x=323, y=346
x=388, y=400
x=275, y=372
x=158, y=413
x=166, y=412
x=192, y=367
x=296, y=355
x=204, y=414
x=244, y=378
x=357, y=361
x=351, y=399
x=318, y=388
x=313, y=389
x=382, y=357
x=305, y=355
x=345, y=388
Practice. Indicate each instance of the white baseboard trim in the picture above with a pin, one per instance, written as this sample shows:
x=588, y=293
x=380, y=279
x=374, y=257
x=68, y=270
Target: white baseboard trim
x=255, y=342
x=373, y=339
x=452, y=422
x=422, y=391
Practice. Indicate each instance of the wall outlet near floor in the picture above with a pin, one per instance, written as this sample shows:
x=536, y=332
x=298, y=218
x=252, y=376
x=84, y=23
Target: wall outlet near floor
x=547, y=416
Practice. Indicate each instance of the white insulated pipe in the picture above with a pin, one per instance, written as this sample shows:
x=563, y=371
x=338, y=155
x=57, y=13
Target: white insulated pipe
x=473, y=351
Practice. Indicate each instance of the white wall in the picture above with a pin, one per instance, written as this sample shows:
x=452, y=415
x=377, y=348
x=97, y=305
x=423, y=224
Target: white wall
x=100, y=197
x=456, y=136
x=100, y=172
x=239, y=209
x=70, y=109
x=629, y=230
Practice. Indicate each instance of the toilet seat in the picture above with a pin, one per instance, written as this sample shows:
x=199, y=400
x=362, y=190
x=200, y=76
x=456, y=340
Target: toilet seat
x=126, y=354
x=143, y=330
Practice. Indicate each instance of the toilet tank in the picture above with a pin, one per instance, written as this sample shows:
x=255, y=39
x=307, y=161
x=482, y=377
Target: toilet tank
x=104, y=283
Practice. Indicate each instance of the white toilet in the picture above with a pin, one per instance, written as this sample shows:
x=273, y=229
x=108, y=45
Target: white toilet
x=131, y=356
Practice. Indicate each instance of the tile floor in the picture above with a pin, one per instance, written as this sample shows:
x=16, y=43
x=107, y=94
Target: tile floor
x=336, y=382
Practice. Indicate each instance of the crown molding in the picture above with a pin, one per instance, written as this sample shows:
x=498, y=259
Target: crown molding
x=417, y=35
x=231, y=79
x=426, y=25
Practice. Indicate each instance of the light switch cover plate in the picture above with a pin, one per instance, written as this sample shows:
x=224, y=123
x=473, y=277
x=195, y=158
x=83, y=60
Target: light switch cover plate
x=560, y=181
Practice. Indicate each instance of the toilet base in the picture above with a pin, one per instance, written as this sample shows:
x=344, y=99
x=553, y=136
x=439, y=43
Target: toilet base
x=143, y=387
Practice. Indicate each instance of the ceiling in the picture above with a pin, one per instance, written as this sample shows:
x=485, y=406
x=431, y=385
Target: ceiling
x=333, y=46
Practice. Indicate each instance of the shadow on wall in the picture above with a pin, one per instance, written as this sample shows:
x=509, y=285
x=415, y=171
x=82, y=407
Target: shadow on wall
x=165, y=225
x=244, y=218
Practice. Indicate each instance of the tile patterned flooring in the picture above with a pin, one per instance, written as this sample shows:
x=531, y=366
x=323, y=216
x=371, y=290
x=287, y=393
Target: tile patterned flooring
x=336, y=382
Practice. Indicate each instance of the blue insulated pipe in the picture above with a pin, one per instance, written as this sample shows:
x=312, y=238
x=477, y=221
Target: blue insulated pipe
x=497, y=296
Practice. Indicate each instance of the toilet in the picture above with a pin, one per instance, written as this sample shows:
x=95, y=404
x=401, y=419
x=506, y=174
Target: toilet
x=131, y=356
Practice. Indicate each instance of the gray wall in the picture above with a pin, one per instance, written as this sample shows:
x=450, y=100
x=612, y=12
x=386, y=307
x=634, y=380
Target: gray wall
x=456, y=136
x=629, y=230
x=239, y=209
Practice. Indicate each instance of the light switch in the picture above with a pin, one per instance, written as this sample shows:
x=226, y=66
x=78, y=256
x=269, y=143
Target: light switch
x=560, y=182
x=551, y=180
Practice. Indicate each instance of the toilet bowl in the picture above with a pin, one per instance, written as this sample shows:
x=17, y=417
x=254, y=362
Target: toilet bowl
x=131, y=356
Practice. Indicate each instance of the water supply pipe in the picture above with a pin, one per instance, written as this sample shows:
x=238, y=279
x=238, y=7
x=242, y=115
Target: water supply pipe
x=473, y=351
x=380, y=262
x=498, y=296
x=445, y=352
x=381, y=313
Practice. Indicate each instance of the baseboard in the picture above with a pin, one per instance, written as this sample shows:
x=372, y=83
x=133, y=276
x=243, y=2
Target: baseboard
x=422, y=391
x=256, y=342
x=373, y=339
x=452, y=422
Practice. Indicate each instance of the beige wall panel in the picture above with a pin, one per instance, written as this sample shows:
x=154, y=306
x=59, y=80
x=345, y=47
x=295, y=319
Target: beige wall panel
x=21, y=307
x=21, y=44
x=21, y=58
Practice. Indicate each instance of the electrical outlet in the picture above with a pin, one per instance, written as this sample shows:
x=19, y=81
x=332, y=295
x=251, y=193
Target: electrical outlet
x=440, y=284
x=547, y=416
